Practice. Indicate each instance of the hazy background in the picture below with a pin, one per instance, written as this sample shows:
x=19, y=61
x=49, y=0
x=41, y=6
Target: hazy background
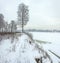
x=43, y=14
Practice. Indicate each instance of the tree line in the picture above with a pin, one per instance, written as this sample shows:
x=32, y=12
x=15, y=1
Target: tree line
x=22, y=19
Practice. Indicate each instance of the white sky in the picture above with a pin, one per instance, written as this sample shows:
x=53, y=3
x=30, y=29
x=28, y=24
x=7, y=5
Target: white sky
x=43, y=14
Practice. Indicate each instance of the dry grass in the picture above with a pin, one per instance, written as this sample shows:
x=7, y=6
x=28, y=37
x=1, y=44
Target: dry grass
x=5, y=33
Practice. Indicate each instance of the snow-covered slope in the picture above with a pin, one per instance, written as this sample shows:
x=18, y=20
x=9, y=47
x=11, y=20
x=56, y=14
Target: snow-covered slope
x=21, y=50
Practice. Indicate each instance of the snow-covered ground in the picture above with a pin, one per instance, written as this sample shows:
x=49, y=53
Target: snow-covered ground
x=24, y=50
x=52, y=37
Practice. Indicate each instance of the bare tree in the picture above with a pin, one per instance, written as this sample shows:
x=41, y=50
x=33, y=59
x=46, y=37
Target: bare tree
x=6, y=26
x=23, y=15
x=13, y=26
x=2, y=21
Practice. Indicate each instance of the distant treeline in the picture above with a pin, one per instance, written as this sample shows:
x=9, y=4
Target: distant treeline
x=30, y=30
x=35, y=30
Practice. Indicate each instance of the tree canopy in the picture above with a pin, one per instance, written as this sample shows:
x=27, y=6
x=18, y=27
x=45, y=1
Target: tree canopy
x=2, y=23
x=23, y=14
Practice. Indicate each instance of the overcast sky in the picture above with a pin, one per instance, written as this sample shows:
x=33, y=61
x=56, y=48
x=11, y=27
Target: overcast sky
x=43, y=14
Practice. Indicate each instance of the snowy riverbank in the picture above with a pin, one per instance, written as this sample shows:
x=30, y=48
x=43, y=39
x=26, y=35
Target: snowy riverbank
x=21, y=50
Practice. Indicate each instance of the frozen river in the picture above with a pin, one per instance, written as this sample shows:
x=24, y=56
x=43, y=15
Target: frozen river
x=52, y=37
